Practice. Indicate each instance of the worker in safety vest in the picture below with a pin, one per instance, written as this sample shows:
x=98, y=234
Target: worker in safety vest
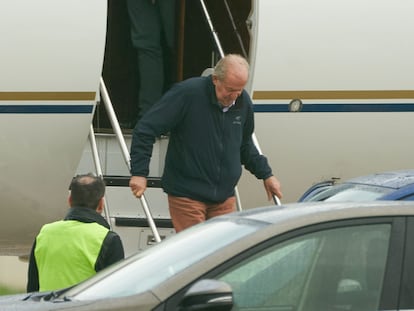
x=69, y=251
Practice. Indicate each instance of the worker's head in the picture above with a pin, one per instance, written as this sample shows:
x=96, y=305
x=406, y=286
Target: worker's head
x=230, y=76
x=87, y=191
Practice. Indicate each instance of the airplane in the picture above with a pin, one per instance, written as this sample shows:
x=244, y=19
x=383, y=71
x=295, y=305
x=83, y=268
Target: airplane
x=51, y=61
x=331, y=82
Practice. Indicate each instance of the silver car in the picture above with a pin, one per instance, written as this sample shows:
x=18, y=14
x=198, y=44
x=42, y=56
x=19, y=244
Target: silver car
x=312, y=256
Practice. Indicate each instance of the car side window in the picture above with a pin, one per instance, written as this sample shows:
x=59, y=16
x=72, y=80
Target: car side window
x=333, y=269
x=408, y=198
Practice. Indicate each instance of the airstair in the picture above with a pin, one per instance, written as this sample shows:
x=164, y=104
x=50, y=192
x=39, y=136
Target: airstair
x=108, y=153
x=144, y=223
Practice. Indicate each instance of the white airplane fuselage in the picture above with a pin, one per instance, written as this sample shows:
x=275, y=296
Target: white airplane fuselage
x=50, y=66
x=331, y=81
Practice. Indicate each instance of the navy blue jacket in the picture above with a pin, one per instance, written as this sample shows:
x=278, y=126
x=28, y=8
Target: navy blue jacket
x=207, y=147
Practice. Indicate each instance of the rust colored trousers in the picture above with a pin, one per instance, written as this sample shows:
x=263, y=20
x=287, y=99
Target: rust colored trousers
x=186, y=212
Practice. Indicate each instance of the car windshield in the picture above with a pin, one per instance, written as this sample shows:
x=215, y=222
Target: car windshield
x=162, y=261
x=350, y=192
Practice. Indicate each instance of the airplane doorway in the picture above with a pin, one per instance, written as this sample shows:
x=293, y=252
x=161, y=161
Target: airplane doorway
x=195, y=49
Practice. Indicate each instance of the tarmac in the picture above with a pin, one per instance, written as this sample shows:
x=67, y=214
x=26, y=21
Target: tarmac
x=13, y=273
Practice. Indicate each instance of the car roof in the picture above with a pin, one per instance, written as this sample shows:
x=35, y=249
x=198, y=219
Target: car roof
x=391, y=179
x=323, y=211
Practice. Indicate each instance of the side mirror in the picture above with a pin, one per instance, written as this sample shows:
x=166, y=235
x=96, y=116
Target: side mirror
x=208, y=295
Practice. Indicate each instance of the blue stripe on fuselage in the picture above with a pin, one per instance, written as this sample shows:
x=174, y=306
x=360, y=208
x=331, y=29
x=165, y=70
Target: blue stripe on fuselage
x=388, y=107
x=45, y=109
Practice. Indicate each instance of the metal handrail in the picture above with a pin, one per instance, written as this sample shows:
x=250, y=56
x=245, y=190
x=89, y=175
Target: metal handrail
x=221, y=52
x=98, y=169
x=213, y=30
x=120, y=138
x=235, y=30
x=276, y=200
x=220, y=49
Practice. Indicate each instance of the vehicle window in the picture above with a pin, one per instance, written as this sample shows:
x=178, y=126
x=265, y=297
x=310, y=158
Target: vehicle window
x=315, y=189
x=408, y=198
x=162, y=261
x=335, y=269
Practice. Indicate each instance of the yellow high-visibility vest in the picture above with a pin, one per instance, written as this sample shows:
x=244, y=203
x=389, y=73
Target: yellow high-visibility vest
x=66, y=252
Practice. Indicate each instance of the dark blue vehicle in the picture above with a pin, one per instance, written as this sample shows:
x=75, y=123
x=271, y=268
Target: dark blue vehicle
x=392, y=185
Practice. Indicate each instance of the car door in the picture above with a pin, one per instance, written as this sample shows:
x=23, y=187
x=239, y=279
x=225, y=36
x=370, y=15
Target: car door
x=406, y=299
x=343, y=265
